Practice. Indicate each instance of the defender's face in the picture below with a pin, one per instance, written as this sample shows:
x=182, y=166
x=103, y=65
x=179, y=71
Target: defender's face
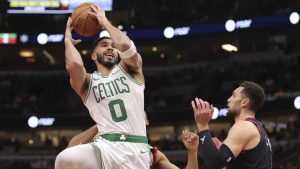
x=234, y=102
x=106, y=53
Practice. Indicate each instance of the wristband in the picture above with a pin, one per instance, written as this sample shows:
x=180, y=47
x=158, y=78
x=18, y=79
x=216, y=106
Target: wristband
x=213, y=157
x=203, y=134
x=129, y=52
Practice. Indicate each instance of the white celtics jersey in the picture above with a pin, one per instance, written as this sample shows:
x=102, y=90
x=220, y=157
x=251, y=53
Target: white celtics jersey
x=116, y=103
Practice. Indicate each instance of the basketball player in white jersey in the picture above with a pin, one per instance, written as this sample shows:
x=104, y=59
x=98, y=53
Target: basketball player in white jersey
x=114, y=96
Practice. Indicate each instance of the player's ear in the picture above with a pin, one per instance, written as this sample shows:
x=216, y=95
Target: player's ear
x=94, y=56
x=245, y=102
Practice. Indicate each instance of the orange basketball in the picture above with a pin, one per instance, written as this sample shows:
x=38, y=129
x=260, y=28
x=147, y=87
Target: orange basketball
x=84, y=23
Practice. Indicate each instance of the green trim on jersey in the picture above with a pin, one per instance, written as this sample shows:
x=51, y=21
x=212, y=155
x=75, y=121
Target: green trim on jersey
x=138, y=83
x=125, y=138
x=102, y=74
x=90, y=86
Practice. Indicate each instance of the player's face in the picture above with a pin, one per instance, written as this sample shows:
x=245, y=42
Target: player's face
x=107, y=54
x=234, y=102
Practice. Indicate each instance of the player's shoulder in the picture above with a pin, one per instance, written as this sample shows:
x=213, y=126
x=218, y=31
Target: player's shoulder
x=243, y=125
x=245, y=128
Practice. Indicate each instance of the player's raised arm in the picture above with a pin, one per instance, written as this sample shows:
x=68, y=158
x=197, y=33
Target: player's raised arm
x=130, y=58
x=74, y=63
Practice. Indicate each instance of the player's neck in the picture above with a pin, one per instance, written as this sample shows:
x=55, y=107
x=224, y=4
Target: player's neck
x=104, y=70
x=244, y=114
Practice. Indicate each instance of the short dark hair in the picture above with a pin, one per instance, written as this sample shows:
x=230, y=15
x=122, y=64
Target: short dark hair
x=95, y=43
x=255, y=93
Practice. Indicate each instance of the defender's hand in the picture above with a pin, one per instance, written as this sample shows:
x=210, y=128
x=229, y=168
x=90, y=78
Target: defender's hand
x=190, y=140
x=202, y=112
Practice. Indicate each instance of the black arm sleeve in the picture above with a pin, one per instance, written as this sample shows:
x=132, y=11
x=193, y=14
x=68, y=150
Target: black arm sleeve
x=214, y=158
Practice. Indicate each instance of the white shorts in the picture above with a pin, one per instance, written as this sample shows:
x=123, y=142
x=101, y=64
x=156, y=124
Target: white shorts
x=123, y=155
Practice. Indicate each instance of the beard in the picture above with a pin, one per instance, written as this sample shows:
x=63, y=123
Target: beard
x=108, y=64
x=231, y=114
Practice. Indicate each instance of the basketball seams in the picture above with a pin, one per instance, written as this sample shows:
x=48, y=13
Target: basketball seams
x=85, y=24
x=82, y=5
x=87, y=18
x=83, y=17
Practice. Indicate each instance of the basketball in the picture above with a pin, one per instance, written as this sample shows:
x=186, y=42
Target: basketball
x=84, y=23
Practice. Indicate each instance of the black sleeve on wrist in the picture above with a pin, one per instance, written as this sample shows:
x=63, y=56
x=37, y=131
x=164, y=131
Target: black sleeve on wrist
x=214, y=158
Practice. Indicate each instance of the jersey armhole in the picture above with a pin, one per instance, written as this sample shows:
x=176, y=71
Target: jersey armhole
x=254, y=122
x=130, y=77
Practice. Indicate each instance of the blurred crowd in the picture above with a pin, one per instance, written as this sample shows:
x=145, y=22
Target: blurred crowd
x=178, y=13
x=214, y=81
x=166, y=87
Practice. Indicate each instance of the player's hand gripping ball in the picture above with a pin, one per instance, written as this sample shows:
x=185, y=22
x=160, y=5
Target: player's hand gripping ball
x=84, y=23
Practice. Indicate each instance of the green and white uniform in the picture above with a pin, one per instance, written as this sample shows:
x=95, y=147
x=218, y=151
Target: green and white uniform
x=116, y=104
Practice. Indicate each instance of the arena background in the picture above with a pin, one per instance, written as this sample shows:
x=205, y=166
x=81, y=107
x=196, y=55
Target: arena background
x=190, y=48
